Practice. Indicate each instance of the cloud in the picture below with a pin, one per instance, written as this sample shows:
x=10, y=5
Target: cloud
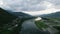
x=50, y=8
x=55, y=2
x=24, y=5
x=47, y=11
x=30, y=5
x=1, y=2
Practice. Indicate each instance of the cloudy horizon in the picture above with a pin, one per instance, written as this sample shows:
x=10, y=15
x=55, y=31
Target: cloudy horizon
x=32, y=7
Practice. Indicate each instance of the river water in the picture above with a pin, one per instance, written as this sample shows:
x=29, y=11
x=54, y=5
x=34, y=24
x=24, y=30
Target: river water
x=29, y=27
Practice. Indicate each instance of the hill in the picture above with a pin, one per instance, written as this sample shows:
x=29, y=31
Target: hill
x=53, y=15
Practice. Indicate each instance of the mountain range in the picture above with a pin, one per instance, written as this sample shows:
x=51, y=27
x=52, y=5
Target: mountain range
x=21, y=15
x=52, y=15
x=6, y=17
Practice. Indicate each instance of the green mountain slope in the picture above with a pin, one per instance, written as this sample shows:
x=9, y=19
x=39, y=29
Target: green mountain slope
x=53, y=15
x=6, y=17
x=8, y=22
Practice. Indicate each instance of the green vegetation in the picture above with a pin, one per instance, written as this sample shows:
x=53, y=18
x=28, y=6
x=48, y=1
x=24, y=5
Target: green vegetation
x=5, y=16
x=58, y=28
x=41, y=24
x=46, y=22
x=8, y=22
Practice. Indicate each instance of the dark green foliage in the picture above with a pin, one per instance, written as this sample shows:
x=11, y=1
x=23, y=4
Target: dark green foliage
x=46, y=22
x=6, y=21
x=41, y=24
x=58, y=28
x=5, y=17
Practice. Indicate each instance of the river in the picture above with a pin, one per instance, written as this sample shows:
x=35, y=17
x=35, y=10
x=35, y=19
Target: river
x=29, y=27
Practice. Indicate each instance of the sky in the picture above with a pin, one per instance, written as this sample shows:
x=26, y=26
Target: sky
x=32, y=7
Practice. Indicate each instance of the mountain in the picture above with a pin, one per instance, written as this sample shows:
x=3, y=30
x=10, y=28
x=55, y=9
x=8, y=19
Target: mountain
x=8, y=22
x=22, y=15
x=11, y=22
x=53, y=15
x=5, y=16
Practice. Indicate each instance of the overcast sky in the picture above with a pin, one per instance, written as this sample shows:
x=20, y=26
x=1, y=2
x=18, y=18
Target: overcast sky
x=33, y=7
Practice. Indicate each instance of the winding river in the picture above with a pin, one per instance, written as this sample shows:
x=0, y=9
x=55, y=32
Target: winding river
x=29, y=27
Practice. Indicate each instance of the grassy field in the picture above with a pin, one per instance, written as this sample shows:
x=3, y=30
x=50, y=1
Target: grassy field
x=41, y=24
x=54, y=22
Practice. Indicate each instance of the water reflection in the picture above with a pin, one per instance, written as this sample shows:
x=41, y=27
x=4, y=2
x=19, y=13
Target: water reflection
x=29, y=27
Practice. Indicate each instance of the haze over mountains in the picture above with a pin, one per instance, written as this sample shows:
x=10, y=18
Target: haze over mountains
x=53, y=15
x=21, y=15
